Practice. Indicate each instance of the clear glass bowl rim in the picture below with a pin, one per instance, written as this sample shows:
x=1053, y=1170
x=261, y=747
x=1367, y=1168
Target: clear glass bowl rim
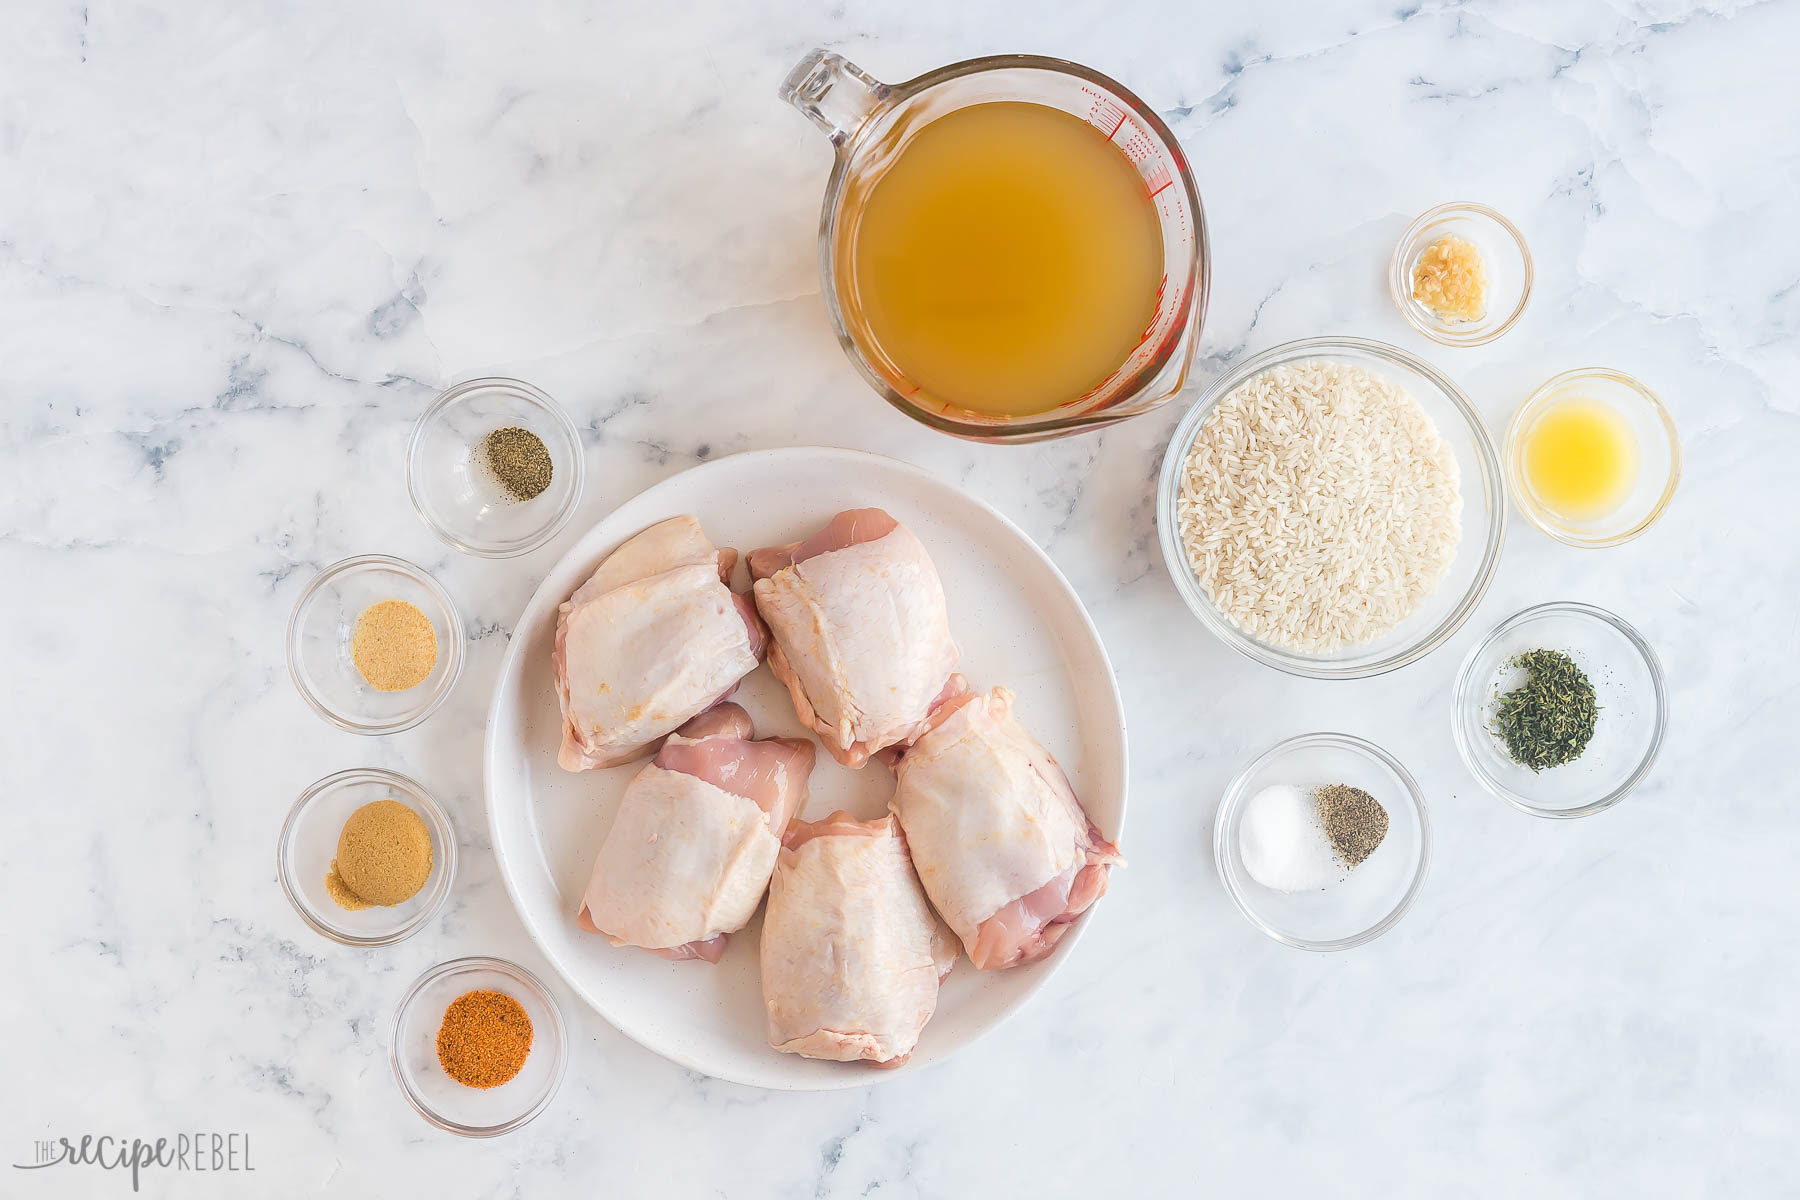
x=1521, y=494
x=1465, y=696
x=419, y=576
x=1493, y=489
x=577, y=465
x=1235, y=794
x=523, y=978
x=1400, y=285
x=443, y=873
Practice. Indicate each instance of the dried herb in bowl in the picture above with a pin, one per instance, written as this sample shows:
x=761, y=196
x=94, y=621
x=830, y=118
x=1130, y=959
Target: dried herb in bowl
x=1549, y=719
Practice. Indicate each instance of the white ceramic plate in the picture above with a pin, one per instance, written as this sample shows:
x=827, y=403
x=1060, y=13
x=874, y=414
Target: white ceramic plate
x=1018, y=623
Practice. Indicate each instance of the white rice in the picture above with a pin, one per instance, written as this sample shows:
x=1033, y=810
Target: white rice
x=1319, y=507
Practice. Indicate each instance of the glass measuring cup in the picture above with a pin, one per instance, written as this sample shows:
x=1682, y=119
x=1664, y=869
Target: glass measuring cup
x=870, y=122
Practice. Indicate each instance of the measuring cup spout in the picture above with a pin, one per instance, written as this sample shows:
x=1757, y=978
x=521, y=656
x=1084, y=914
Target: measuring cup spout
x=834, y=93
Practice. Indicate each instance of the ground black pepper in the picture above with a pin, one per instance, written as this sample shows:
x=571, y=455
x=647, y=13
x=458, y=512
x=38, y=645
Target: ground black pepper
x=1354, y=821
x=518, y=460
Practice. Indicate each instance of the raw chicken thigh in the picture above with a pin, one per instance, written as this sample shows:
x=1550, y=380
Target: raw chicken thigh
x=652, y=638
x=689, y=855
x=851, y=953
x=862, y=638
x=1001, y=844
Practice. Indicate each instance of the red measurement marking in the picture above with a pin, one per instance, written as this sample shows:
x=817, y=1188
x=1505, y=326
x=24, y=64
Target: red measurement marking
x=1166, y=183
x=1115, y=128
x=1162, y=288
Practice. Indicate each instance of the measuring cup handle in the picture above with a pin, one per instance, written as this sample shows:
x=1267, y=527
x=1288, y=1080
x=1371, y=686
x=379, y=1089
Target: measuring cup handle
x=834, y=93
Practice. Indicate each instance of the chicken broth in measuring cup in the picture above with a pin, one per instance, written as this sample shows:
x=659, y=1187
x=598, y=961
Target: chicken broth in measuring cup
x=1007, y=261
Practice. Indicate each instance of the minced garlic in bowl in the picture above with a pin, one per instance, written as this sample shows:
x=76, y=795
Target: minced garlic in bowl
x=1450, y=279
x=1461, y=274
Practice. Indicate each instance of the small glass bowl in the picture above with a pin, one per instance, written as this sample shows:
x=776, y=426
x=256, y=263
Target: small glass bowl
x=1503, y=252
x=455, y=494
x=318, y=644
x=1373, y=898
x=1483, y=497
x=1628, y=686
x=1658, y=456
x=477, y=1112
x=309, y=840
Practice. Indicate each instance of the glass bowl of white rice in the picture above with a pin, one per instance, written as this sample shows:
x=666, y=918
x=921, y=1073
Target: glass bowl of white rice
x=1333, y=507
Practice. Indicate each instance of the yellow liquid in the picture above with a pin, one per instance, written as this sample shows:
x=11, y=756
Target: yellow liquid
x=1009, y=261
x=1580, y=459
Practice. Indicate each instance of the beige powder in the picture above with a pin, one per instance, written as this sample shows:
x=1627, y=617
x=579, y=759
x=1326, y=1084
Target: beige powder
x=383, y=857
x=393, y=646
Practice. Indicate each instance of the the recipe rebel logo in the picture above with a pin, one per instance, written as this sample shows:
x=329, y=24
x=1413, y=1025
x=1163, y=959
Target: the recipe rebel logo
x=196, y=1153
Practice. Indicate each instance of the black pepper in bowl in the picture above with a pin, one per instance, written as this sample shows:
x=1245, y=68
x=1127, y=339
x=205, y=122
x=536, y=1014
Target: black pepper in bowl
x=1354, y=821
x=518, y=461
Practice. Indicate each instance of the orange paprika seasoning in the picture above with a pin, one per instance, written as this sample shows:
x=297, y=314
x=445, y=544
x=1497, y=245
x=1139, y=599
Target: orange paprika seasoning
x=484, y=1040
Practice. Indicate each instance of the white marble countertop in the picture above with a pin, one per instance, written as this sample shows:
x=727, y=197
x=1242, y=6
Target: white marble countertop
x=241, y=245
